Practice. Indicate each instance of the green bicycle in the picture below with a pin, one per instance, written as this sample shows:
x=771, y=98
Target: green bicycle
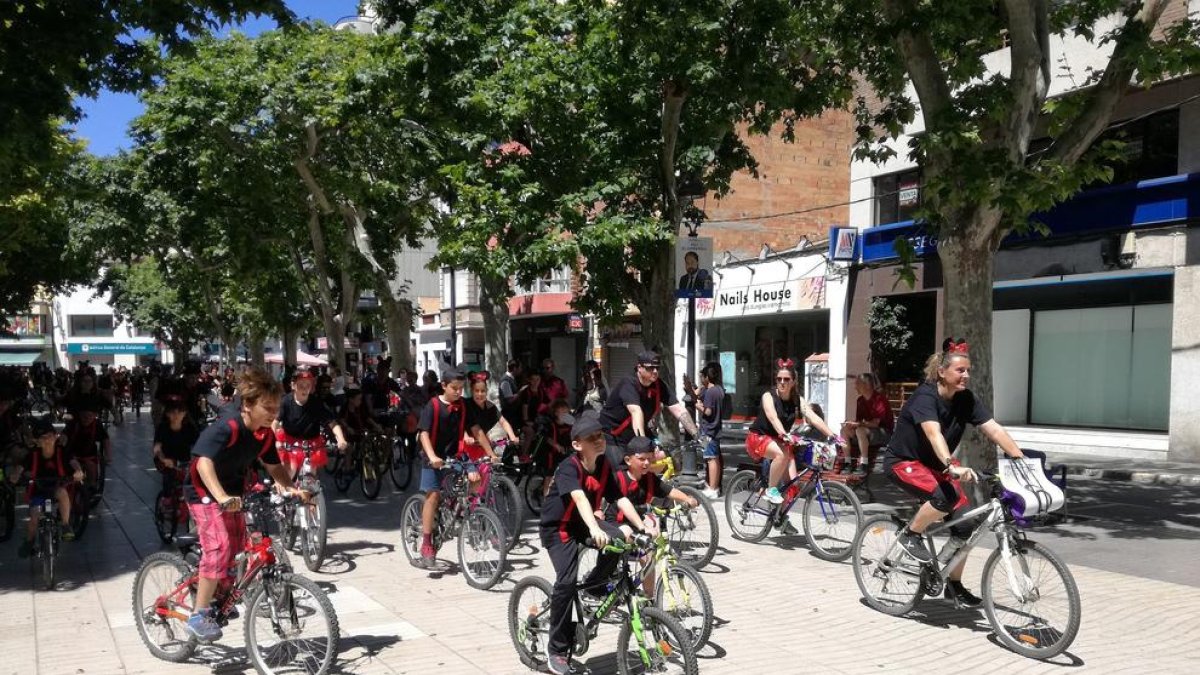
x=650, y=640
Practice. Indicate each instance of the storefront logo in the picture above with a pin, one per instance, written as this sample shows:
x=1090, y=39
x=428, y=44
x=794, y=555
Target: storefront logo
x=784, y=296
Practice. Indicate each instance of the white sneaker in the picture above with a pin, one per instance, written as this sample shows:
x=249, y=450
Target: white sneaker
x=710, y=493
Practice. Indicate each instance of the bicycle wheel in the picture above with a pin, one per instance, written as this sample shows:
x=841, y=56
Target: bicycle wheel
x=291, y=627
x=694, y=533
x=8, y=510
x=166, y=516
x=890, y=585
x=97, y=490
x=410, y=528
x=749, y=514
x=343, y=470
x=118, y=414
x=401, y=468
x=529, y=620
x=1031, y=600
x=47, y=552
x=831, y=517
x=371, y=468
x=313, y=545
x=503, y=498
x=81, y=508
x=157, y=612
x=482, y=548
x=668, y=646
x=533, y=492
x=684, y=595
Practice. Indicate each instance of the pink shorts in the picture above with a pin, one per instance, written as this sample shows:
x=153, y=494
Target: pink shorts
x=222, y=537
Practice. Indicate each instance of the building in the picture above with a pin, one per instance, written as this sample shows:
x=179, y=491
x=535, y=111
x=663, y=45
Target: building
x=1095, y=325
x=26, y=338
x=84, y=328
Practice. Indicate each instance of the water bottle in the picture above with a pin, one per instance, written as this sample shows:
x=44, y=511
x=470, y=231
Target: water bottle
x=953, y=544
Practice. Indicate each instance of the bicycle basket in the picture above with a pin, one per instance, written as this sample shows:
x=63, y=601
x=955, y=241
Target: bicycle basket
x=820, y=456
x=1027, y=492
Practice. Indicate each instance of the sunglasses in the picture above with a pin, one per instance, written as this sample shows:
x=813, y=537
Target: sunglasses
x=654, y=368
x=783, y=379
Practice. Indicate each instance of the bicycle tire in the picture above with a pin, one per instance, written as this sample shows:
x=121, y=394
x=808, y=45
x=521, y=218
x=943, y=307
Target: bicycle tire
x=533, y=492
x=8, y=511
x=691, y=543
x=81, y=509
x=410, y=528
x=482, y=530
x=343, y=471
x=529, y=620
x=745, y=507
x=286, y=611
x=692, y=608
x=662, y=627
x=1026, y=639
x=97, y=491
x=874, y=539
x=166, y=520
x=314, y=536
x=370, y=478
x=401, y=469
x=177, y=570
x=46, y=554
x=503, y=498
x=828, y=515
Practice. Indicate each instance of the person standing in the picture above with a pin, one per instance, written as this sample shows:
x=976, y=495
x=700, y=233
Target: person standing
x=710, y=401
x=510, y=395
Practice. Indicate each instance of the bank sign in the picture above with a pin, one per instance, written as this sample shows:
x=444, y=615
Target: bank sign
x=112, y=348
x=793, y=295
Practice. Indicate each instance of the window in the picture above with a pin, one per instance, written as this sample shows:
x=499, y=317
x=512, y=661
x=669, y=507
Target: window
x=1151, y=147
x=92, y=325
x=139, y=331
x=558, y=281
x=1131, y=390
x=897, y=196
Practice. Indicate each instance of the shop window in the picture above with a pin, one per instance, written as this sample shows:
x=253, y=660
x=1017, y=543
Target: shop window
x=897, y=196
x=91, y=325
x=1103, y=367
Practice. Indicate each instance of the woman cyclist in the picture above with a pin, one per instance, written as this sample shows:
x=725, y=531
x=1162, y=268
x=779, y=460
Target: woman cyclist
x=918, y=457
x=768, y=435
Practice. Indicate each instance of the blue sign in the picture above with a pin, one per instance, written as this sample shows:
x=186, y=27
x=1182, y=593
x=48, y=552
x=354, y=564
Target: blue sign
x=843, y=244
x=112, y=348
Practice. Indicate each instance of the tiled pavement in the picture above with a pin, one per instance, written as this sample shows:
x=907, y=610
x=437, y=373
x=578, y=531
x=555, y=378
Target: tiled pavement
x=779, y=608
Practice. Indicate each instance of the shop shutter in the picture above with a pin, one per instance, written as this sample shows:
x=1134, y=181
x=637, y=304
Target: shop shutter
x=622, y=361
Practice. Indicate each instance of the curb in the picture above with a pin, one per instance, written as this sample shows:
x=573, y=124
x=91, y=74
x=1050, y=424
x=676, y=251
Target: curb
x=1134, y=476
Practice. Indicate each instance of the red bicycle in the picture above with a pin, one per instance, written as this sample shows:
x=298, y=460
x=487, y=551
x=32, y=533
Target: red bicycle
x=289, y=622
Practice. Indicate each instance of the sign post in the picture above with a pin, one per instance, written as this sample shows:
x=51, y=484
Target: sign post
x=693, y=255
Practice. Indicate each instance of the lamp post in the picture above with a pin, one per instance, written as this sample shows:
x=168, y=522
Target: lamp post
x=690, y=189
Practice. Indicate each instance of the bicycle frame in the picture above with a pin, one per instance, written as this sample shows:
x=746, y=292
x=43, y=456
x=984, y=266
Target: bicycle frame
x=625, y=590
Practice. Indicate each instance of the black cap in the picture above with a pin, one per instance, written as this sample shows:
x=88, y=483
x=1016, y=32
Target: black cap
x=586, y=425
x=639, y=444
x=649, y=359
x=40, y=426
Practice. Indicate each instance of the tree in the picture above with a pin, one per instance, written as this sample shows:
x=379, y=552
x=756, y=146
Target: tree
x=982, y=172
x=891, y=336
x=150, y=295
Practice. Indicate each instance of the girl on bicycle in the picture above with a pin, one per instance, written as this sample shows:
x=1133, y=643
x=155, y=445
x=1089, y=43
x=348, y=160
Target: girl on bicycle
x=919, y=454
x=173, y=441
x=482, y=417
x=768, y=436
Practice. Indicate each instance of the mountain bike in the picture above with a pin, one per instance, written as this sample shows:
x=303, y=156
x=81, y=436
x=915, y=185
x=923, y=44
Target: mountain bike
x=650, y=640
x=404, y=461
x=1029, y=595
x=831, y=512
x=309, y=521
x=365, y=459
x=290, y=625
x=500, y=494
x=170, y=512
x=482, y=545
x=680, y=590
x=48, y=539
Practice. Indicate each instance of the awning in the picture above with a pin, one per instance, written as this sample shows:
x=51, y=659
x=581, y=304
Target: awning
x=19, y=358
x=302, y=359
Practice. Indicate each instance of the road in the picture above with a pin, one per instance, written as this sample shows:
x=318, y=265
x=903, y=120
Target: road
x=778, y=607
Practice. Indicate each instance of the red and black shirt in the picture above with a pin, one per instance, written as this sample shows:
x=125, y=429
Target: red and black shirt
x=641, y=492
x=615, y=418
x=83, y=441
x=233, y=448
x=445, y=422
x=560, y=517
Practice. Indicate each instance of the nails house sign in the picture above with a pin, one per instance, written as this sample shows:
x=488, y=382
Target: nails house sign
x=789, y=295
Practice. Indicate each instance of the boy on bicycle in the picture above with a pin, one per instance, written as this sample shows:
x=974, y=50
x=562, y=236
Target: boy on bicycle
x=442, y=424
x=49, y=466
x=86, y=440
x=570, y=516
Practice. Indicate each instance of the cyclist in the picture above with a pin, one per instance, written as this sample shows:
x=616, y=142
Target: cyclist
x=633, y=405
x=173, y=441
x=86, y=440
x=483, y=416
x=553, y=387
x=919, y=457
x=104, y=384
x=82, y=393
x=442, y=425
x=221, y=459
x=302, y=415
x=510, y=395
x=768, y=436
x=355, y=417
x=570, y=516
x=710, y=399
x=48, y=466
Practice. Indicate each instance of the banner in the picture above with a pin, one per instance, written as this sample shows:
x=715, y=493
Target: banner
x=694, y=261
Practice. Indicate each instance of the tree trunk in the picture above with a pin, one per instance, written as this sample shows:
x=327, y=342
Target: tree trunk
x=397, y=314
x=967, y=277
x=658, y=321
x=257, y=350
x=493, y=305
x=289, y=348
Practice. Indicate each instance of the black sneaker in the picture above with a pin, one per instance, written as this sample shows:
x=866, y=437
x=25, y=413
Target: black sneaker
x=960, y=596
x=915, y=546
x=559, y=664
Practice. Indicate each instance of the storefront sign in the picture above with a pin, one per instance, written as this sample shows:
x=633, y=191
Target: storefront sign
x=793, y=295
x=575, y=324
x=112, y=348
x=348, y=342
x=843, y=244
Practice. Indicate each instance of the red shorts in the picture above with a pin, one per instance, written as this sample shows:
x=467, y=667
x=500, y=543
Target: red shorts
x=222, y=537
x=294, y=458
x=472, y=451
x=926, y=484
x=757, y=444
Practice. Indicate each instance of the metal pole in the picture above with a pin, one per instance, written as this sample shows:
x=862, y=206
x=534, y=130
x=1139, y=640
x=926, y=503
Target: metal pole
x=691, y=328
x=453, y=320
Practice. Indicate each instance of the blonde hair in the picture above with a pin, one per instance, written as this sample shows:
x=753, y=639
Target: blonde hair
x=941, y=360
x=256, y=384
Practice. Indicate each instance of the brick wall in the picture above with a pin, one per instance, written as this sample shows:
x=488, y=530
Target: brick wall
x=811, y=172
x=1175, y=11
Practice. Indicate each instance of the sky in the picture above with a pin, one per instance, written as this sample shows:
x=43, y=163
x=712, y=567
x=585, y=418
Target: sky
x=105, y=123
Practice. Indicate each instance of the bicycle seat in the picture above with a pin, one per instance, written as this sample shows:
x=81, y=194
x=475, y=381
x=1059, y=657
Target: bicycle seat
x=187, y=541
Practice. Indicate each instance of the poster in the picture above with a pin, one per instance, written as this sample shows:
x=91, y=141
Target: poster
x=694, y=261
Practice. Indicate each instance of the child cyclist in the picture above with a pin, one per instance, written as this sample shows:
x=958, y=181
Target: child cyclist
x=442, y=425
x=570, y=517
x=173, y=441
x=49, y=466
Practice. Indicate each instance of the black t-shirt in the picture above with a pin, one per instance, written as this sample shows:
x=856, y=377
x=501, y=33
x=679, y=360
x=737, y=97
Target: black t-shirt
x=176, y=445
x=908, y=441
x=786, y=410
x=46, y=471
x=639, y=492
x=559, y=515
x=304, y=421
x=451, y=423
x=484, y=417
x=233, y=448
x=713, y=398
x=615, y=418
x=84, y=441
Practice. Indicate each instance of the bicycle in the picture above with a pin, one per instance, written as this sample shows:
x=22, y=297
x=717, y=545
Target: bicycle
x=48, y=539
x=893, y=581
x=170, y=511
x=679, y=589
x=500, y=494
x=280, y=607
x=831, y=512
x=694, y=532
x=404, y=458
x=118, y=412
x=310, y=520
x=88, y=494
x=459, y=514
x=659, y=642
x=365, y=459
